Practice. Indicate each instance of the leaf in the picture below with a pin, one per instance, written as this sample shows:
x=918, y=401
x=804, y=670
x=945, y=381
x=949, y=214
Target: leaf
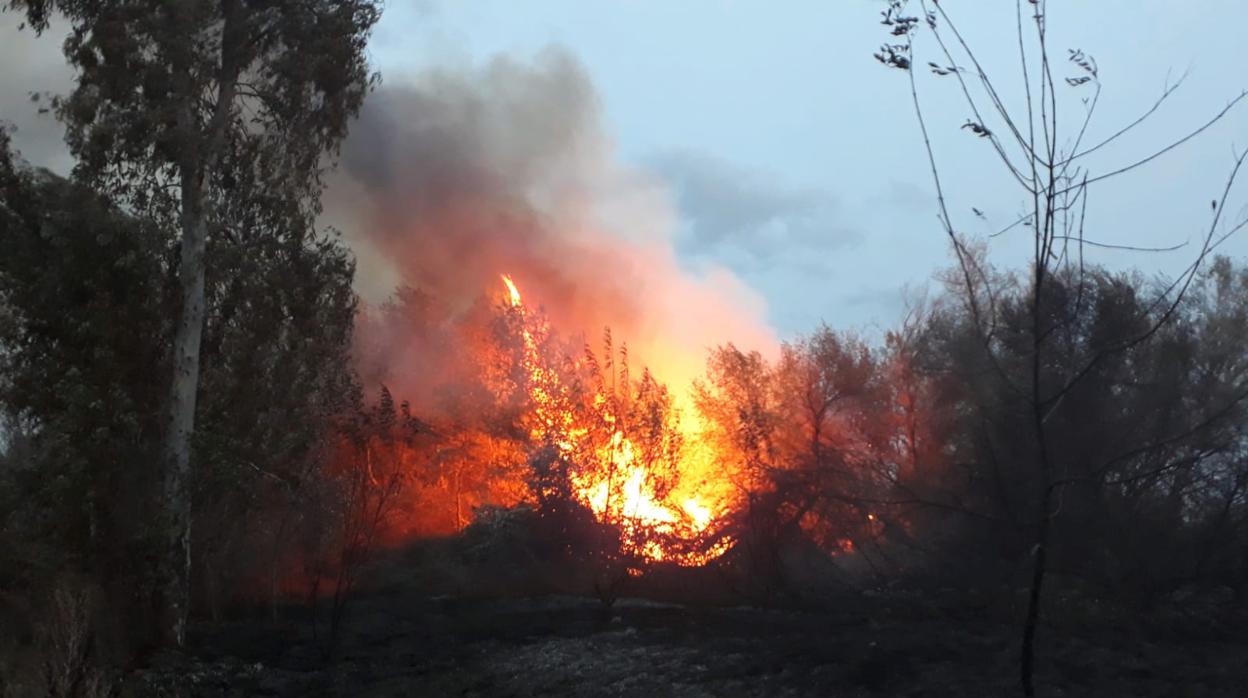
x=978, y=129
x=894, y=56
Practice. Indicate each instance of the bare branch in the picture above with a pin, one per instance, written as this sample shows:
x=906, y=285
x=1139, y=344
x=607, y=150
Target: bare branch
x=1183, y=282
x=1175, y=144
x=1130, y=248
x=1169, y=90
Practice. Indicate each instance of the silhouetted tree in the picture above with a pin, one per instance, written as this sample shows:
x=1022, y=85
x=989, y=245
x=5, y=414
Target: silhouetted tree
x=79, y=341
x=212, y=119
x=1050, y=168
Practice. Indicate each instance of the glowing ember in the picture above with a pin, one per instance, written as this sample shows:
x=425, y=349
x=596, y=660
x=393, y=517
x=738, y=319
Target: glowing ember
x=617, y=488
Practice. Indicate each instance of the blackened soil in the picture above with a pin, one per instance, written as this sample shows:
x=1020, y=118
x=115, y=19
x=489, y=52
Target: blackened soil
x=406, y=644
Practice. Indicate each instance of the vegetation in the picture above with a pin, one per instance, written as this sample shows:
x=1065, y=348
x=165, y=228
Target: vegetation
x=1057, y=445
x=1048, y=161
x=203, y=116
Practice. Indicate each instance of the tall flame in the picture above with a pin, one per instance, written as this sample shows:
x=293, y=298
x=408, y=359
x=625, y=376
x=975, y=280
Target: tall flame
x=622, y=492
x=513, y=293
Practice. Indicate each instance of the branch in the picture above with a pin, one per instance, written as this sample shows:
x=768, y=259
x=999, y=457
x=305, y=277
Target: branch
x=1111, y=246
x=1204, y=127
x=1184, y=281
x=1169, y=90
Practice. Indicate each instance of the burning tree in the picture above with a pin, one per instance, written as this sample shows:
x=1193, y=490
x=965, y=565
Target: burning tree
x=608, y=442
x=807, y=440
x=371, y=465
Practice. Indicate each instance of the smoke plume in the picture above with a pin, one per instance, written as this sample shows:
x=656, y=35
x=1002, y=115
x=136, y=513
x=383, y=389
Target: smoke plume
x=452, y=177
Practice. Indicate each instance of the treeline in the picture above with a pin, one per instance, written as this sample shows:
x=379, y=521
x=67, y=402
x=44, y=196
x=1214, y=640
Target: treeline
x=921, y=453
x=914, y=459
x=175, y=332
x=844, y=461
x=85, y=314
x=178, y=344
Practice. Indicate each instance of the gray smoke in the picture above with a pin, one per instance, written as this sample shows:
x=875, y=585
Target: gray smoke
x=453, y=177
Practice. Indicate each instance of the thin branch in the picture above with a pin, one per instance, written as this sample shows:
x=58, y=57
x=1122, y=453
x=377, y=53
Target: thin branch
x=1130, y=248
x=1186, y=280
x=992, y=95
x=1204, y=127
x=1021, y=221
x=1169, y=90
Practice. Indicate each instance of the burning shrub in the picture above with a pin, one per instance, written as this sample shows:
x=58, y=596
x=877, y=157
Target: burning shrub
x=617, y=478
x=615, y=446
x=368, y=469
x=811, y=447
x=552, y=427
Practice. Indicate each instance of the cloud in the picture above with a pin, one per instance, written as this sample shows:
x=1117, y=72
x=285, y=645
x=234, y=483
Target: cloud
x=739, y=214
x=908, y=196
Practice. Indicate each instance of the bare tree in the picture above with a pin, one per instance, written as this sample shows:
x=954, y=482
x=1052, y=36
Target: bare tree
x=1046, y=157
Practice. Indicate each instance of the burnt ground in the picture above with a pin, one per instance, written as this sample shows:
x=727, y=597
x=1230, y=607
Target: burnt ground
x=407, y=643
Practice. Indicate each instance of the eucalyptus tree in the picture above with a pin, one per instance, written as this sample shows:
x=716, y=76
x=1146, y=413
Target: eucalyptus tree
x=212, y=118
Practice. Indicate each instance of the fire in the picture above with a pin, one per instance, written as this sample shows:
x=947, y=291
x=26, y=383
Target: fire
x=513, y=293
x=618, y=487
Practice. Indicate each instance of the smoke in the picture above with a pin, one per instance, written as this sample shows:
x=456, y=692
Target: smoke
x=453, y=177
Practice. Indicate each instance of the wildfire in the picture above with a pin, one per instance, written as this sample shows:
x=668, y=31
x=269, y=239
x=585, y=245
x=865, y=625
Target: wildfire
x=617, y=486
x=513, y=293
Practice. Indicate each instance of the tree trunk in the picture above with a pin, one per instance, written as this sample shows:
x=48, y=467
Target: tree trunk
x=1028, y=659
x=177, y=448
x=197, y=163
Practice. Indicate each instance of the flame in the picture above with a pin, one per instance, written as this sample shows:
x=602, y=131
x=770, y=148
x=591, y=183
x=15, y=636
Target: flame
x=621, y=492
x=513, y=293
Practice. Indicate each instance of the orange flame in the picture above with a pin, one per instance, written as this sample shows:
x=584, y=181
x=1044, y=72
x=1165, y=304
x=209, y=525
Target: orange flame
x=622, y=492
x=512, y=292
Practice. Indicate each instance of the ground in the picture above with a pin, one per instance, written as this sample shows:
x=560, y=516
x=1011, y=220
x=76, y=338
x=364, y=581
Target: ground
x=875, y=643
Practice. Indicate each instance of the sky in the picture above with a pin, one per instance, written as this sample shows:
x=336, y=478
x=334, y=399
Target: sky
x=791, y=158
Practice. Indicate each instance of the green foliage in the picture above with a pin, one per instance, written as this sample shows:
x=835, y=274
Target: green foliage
x=244, y=97
x=213, y=119
x=84, y=348
x=86, y=303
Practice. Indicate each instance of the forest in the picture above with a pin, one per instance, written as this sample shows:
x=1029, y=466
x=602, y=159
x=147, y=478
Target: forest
x=224, y=473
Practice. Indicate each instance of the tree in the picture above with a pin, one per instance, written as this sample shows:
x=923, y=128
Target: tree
x=737, y=400
x=211, y=118
x=799, y=437
x=1054, y=178
x=277, y=374
x=79, y=341
x=76, y=351
x=1146, y=444
x=371, y=465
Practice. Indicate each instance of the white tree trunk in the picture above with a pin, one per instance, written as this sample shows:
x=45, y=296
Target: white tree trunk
x=196, y=168
x=177, y=450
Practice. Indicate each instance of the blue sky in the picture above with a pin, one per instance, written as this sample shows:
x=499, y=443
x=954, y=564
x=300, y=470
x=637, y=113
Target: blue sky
x=791, y=157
